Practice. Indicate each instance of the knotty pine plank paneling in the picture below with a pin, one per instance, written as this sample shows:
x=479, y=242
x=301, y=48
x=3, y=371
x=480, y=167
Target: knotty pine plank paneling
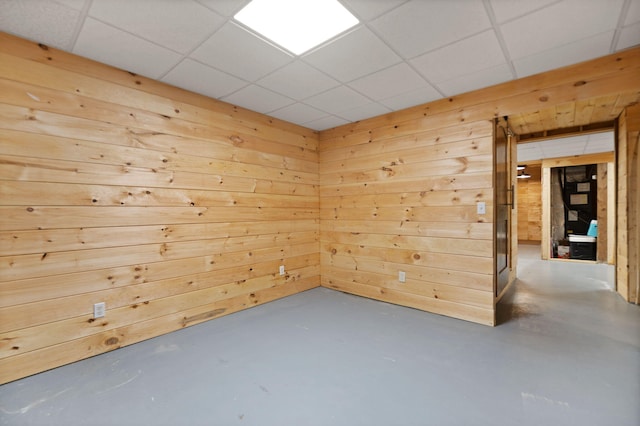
x=405, y=200
x=170, y=207
x=529, y=200
x=175, y=208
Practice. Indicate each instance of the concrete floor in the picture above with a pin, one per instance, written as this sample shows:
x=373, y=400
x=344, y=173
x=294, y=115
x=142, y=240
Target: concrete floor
x=567, y=353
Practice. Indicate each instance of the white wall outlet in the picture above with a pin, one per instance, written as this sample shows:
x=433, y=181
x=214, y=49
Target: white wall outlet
x=99, y=309
x=482, y=207
x=281, y=269
x=402, y=276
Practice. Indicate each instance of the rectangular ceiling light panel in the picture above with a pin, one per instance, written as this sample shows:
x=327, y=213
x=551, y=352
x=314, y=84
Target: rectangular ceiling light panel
x=297, y=25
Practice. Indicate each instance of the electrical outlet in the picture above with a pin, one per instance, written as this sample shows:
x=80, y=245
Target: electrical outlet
x=99, y=309
x=281, y=269
x=402, y=276
x=482, y=207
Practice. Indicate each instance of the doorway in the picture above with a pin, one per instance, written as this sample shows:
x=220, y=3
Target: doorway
x=548, y=164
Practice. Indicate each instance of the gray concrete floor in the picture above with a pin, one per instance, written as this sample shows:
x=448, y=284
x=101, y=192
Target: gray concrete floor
x=566, y=353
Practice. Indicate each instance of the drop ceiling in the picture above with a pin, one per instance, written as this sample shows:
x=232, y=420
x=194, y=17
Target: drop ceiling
x=566, y=147
x=403, y=53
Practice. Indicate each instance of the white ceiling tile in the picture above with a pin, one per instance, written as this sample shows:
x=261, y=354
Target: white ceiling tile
x=633, y=13
x=339, y=99
x=354, y=55
x=559, y=24
x=461, y=58
x=364, y=111
x=39, y=20
x=418, y=26
x=258, y=99
x=236, y=51
x=509, y=9
x=224, y=7
x=389, y=82
x=112, y=46
x=298, y=113
x=562, y=148
x=199, y=78
x=601, y=146
x=530, y=154
x=298, y=80
x=327, y=122
x=562, y=55
x=477, y=80
x=420, y=95
x=176, y=25
x=578, y=139
x=607, y=137
x=629, y=36
x=369, y=9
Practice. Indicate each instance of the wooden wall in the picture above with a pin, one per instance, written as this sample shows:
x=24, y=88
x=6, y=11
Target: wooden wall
x=170, y=207
x=175, y=209
x=628, y=204
x=392, y=202
x=398, y=192
x=529, y=200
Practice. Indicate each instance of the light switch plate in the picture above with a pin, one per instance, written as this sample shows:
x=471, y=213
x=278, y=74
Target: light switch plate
x=281, y=269
x=482, y=207
x=402, y=276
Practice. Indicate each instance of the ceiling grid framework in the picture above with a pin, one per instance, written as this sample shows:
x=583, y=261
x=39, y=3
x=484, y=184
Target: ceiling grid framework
x=402, y=53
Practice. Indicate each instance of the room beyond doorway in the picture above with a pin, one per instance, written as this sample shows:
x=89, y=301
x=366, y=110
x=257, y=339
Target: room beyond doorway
x=569, y=219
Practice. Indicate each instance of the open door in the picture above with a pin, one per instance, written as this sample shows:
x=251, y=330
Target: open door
x=504, y=193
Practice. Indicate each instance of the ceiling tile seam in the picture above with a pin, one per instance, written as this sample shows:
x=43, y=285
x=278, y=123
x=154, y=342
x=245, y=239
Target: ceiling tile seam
x=82, y=17
x=402, y=59
x=240, y=6
x=567, y=44
x=193, y=49
x=373, y=18
x=531, y=12
x=620, y=25
x=293, y=101
x=133, y=34
x=309, y=124
x=498, y=33
x=409, y=60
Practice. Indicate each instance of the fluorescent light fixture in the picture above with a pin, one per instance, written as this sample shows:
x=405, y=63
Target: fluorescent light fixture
x=297, y=25
x=521, y=167
x=524, y=176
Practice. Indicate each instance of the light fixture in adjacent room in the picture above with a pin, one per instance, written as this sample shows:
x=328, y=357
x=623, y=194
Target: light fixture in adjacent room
x=521, y=173
x=297, y=25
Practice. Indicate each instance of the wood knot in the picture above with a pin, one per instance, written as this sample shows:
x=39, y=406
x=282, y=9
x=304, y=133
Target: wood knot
x=111, y=341
x=416, y=256
x=30, y=209
x=543, y=98
x=43, y=46
x=579, y=83
x=334, y=251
